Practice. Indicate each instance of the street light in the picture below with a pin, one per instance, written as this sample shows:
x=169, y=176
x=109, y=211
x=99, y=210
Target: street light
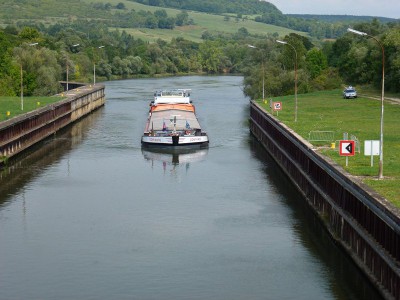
x=22, y=80
x=263, y=77
x=380, y=174
x=76, y=45
x=94, y=66
x=295, y=76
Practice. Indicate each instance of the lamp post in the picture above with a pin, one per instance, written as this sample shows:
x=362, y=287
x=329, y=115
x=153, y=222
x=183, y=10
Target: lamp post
x=295, y=76
x=380, y=174
x=263, y=73
x=22, y=80
x=94, y=66
x=76, y=45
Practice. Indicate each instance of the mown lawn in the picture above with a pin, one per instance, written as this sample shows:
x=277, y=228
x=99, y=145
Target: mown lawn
x=328, y=111
x=11, y=106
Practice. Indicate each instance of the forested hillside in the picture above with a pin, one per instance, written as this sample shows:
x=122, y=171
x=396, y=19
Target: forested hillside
x=318, y=26
x=241, y=7
x=42, y=45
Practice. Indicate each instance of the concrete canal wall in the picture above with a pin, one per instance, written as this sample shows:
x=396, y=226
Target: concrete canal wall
x=364, y=223
x=23, y=131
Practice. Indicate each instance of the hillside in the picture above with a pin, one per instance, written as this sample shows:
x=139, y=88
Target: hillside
x=211, y=16
x=106, y=12
x=341, y=18
x=242, y=7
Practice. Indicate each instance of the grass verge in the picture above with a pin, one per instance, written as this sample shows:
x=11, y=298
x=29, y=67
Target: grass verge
x=11, y=106
x=328, y=111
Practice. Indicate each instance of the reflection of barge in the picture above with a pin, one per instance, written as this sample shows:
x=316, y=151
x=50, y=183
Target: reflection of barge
x=172, y=121
x=174, y=156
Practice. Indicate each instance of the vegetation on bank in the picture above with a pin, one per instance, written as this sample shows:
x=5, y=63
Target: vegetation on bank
x=45, y=55
x=328, y=111
x=76, y=37
x=14, y=106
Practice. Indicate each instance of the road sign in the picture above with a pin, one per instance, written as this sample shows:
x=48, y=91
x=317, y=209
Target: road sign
x=347, y=148
x=277, y=105
x=371, y=147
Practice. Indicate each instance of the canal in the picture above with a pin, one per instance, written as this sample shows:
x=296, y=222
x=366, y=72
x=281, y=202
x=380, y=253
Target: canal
x=88, y=214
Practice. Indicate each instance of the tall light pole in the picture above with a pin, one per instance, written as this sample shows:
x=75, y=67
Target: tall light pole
x=22, y=80
x=263, y=73
x=76, y=45
x=94, y=65
x=295, y=76
x=380, y=174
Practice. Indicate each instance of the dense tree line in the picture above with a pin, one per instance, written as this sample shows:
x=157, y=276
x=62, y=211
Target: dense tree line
x=43, y=53
x=351, y=59
x=248, y=7
x=318, y=26
x=359, y=58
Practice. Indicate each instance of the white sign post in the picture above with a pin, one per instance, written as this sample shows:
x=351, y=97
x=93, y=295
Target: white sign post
x=371, y=148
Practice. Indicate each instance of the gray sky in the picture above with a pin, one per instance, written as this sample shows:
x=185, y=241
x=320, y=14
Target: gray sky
x=377, y=8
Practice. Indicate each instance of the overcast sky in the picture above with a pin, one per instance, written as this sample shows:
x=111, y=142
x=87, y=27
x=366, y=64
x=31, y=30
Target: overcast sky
x=377, y=8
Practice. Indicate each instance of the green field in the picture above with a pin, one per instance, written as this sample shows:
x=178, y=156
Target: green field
x=11, y=106
x=328, y=111
x=203, y=22
x=51, y=11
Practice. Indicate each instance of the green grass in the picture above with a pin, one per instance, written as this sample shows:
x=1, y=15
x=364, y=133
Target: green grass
x=12, y=105
x=328, y=111
x=203, y=22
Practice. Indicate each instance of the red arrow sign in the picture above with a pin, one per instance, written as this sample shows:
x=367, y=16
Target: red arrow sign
x=347, y=148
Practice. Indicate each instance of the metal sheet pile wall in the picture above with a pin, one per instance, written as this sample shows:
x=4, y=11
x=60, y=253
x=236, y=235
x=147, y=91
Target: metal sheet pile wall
x=21, y=132
x=365, y=224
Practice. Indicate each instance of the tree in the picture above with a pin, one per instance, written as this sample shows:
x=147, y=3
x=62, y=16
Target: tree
x=135, y=64
x=151, y=22
x=29, y=34
x=161, y=13
x=166, y=23
x=242, y=33
x=41, y=71
x=182, y=18
x=103, y=68
x=210, y=55
x=316, y=62
x=391, y=41
x=120, y=5
x=288, y=56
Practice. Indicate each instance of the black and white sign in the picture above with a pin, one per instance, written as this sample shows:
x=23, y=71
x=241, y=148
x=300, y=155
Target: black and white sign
x=347, y=148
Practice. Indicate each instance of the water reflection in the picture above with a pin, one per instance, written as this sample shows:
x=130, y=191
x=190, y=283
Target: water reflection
x=173, y=158
x=21, y=170
x=94, y=216
x=344, y=279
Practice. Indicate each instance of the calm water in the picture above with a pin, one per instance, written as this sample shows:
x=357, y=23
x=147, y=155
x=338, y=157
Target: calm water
x=90, y=215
